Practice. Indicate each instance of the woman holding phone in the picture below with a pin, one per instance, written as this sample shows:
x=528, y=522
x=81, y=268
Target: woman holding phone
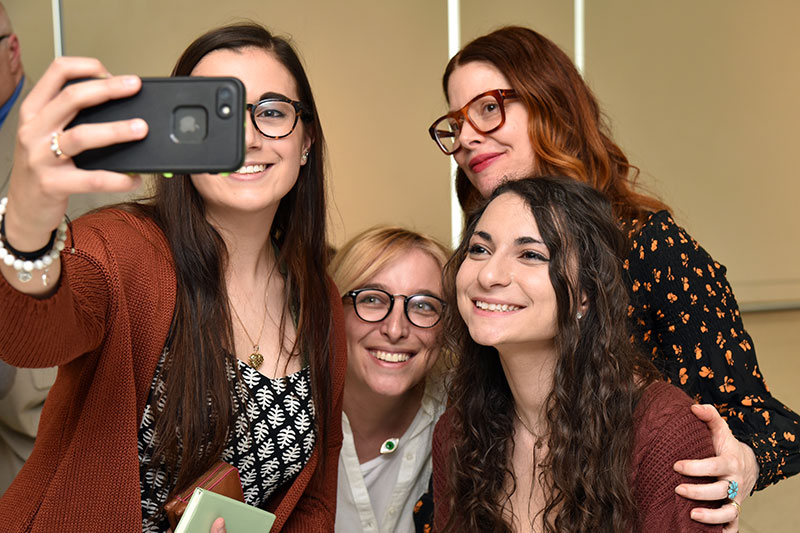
x=519, y=107
x=196, y=326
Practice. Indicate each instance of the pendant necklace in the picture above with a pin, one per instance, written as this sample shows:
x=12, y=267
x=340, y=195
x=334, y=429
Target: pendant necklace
x=256, y=359
x=537, y=440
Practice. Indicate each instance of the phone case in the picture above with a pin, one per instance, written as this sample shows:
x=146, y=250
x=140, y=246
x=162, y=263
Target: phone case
x=195, y=125
x=206, y=506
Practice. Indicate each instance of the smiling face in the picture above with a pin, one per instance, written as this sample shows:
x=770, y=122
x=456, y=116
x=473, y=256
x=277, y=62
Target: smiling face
x=503, y=286
x=271, y=166
x=506, y=153
x=393, y=356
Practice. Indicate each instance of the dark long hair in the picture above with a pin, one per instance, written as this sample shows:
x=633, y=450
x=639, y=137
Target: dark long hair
x=566, y=129
x=597, y=379
x=199, y=402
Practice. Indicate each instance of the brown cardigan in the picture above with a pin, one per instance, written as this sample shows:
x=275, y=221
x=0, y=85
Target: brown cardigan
x=105, y=328
x=665, y=430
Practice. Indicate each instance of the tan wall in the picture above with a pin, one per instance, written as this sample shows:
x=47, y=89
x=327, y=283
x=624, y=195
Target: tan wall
x=33, y=24
x=702, y=96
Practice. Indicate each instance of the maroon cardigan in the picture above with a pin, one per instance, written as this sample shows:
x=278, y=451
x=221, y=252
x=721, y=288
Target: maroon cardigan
x=105, y=327
x=666, y=430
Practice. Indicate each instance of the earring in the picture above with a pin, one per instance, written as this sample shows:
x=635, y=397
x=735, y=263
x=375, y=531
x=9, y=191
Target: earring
x=304, y=158
x=579, y=315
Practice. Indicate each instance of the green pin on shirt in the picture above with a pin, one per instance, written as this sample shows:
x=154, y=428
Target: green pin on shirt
x=389, y=445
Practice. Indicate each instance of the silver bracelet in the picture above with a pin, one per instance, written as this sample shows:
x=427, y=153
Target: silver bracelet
x=25, y=267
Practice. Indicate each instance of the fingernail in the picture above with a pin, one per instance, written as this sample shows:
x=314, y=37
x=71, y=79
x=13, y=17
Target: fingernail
x=130, y=81
x=138, y=126
x=695, y=514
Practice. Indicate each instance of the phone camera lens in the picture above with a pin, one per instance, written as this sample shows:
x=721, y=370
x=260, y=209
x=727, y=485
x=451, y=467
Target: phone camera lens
x=227, y=101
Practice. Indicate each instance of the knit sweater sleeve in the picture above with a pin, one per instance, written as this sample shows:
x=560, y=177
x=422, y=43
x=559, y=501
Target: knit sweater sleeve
x=686, y=317
x=442, y=443
x=666, y=431
x=73, y=317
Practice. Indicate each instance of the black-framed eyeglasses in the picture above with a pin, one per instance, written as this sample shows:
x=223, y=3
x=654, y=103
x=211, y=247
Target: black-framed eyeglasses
x=4, y=36
x=485, y=113
x=374, y=305
x=276, y=117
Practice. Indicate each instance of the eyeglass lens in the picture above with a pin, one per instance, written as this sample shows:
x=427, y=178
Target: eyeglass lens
x=485, y=114
x=421, y=310
x=275, y=118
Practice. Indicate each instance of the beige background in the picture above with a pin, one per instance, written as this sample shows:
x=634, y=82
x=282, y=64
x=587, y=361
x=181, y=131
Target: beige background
x=702, y=96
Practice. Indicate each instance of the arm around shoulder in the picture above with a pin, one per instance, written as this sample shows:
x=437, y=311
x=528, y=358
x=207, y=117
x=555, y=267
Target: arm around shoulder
x=666, y=430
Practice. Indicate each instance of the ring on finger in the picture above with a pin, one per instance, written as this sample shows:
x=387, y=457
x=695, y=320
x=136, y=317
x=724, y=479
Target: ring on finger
x=737, y=506
x=54, y=147
x=733, y=489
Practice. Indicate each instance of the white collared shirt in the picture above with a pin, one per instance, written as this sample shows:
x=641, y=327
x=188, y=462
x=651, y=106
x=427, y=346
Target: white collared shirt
x=389, y=485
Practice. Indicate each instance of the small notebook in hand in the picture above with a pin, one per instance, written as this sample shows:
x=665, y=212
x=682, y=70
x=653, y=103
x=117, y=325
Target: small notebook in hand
x=205, y=506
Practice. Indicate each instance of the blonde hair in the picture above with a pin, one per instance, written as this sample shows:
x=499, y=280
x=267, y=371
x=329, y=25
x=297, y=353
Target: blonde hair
x=367, y=253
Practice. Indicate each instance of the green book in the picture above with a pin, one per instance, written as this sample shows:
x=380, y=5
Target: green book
x=205, y=506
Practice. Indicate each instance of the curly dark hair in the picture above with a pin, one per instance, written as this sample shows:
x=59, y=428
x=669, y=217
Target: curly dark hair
x=597, y=381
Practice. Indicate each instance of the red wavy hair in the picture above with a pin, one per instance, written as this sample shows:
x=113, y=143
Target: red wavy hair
x=567, y=130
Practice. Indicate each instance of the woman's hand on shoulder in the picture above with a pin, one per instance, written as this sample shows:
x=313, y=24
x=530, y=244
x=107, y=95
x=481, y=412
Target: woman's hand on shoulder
x=41, y=180
x=734, y=461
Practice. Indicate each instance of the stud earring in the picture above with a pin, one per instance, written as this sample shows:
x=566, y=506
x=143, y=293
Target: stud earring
x=304, y=158
x=579, y=315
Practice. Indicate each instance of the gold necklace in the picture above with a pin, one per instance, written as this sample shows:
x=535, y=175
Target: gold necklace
x=256, y=359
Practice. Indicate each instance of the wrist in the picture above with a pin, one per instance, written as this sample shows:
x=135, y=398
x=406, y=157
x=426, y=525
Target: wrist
x=24, y=262
x=22, y=236
x=752, y=468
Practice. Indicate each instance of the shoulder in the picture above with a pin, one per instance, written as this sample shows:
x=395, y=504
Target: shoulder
x=665, y=425
x=121, y=232
x=659, y=242
x=659, y=226
x=434, y=400
x=122, y=251
x=661, y=400
x=666, y=431
x=443, y=432
x=116, y=221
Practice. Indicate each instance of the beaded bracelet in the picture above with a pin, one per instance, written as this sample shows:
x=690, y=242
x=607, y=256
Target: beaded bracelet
x=26, y=262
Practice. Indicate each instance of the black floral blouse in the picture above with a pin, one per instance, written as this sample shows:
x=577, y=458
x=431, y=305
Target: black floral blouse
x=686, y=317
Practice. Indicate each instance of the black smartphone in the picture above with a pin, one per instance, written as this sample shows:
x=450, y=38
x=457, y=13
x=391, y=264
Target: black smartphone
x=195, y=125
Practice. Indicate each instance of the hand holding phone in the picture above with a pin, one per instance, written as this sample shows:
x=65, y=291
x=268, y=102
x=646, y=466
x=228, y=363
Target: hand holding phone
x=44, y=176
x=195, y=125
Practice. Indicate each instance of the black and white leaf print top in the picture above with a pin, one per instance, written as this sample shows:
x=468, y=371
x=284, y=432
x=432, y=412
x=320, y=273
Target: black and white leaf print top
x=269, y=445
